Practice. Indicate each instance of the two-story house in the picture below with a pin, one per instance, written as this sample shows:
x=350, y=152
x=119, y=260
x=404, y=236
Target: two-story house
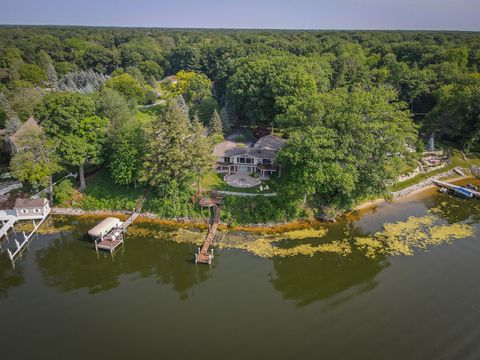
x=259, y=158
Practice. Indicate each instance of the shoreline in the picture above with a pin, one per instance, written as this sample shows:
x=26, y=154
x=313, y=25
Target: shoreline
x=298, y=224
x=189, y=222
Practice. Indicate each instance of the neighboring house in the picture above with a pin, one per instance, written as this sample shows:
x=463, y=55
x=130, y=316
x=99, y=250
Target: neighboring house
x=259, y=158
x=31, y=208
x=30, y=125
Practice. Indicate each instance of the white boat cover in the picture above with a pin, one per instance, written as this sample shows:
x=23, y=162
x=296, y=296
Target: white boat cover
x=104, y=227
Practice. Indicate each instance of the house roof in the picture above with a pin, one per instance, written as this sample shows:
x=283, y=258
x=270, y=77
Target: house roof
x=270, y=142
x=30, y=203
x=265, y=148
x=222, y=148
x=29, y=125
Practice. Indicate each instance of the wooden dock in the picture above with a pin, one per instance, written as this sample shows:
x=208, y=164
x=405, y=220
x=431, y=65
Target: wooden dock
x=8, y=222
x=453, y=187
x=205, y=254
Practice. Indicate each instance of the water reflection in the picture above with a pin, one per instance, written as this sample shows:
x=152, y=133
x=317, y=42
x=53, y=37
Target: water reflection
x=310, y=279
x=69, y=264
x=9, y=277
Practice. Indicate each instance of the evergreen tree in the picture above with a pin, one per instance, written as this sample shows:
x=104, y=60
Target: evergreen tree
x=182, y=105
x=201, y=158
x=168, y=150
x=52, y=77
x=12, y=123
x=84, y=82
x=215, y=127
x=225, y=118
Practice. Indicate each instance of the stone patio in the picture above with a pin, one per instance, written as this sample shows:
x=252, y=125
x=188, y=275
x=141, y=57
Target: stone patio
x=241, y=180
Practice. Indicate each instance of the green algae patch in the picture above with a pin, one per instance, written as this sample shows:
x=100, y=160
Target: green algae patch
x=304, y=234
x=370, y=247
x=268, y=248
x=402, y=238
x=273, y=246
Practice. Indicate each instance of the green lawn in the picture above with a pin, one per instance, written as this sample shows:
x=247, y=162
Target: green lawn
x=144, y=116
x=454, y=161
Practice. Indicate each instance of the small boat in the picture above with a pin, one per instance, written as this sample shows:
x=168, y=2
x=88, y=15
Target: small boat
x=463, y=192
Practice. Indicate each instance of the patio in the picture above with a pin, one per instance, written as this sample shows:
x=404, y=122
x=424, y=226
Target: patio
x=241, y=180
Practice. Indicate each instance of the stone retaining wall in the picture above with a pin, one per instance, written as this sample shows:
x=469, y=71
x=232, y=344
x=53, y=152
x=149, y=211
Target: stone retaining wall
x=427, y=182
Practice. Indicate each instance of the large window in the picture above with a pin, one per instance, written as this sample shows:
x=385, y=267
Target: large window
x=245, y=160
x=266, y=161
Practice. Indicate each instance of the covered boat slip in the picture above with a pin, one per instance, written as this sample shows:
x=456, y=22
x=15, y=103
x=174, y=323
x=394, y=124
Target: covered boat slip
x=109, y=233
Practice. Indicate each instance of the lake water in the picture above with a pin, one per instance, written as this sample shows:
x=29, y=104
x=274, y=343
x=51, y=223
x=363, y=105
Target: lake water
x=150, y=301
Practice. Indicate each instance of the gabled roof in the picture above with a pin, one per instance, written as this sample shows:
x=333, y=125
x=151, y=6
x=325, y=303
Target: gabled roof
x=270, y=142
x=30, y=203
x=225, y=147
x=265, y=148
x=29, y=125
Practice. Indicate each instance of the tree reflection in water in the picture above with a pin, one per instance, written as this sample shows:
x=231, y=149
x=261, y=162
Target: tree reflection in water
x=70, y=264
x=324, y=276
x=9, y=277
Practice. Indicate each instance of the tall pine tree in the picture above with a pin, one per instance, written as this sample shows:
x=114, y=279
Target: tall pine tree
x=201, y=158
x=167, y=150
x=215, y=127
x=225, y=118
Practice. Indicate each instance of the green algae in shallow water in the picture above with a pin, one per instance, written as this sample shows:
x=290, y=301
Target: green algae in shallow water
x=402, y=238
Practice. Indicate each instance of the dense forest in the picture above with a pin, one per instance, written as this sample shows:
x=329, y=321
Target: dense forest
x=352, y=106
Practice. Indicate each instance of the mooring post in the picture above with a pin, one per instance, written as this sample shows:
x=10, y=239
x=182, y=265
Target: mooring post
x=10, y=254
x=196, y=258
x=34, y=225
x=24, y=235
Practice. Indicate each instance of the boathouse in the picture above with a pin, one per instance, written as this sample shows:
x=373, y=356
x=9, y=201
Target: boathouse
x=31, y=209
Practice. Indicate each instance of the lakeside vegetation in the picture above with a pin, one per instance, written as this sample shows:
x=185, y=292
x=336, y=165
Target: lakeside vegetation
x=139, y=109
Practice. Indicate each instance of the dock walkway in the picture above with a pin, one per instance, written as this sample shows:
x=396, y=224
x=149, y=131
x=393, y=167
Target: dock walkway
x=446, y=185
x=205, y=254
x=115, y=237
x=8, y=222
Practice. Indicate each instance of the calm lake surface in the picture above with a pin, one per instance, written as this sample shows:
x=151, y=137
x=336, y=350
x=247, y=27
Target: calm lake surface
x=62, y=301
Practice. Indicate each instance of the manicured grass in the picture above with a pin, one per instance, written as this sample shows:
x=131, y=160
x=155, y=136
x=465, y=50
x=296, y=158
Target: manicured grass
x=454, y=161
